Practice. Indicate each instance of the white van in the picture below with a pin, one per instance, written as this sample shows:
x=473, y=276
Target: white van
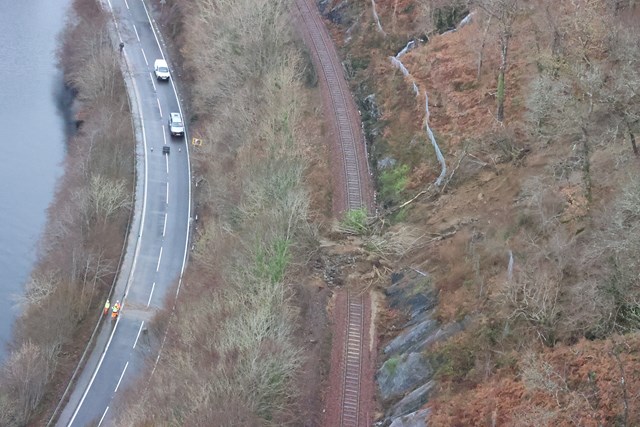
x=161, y=69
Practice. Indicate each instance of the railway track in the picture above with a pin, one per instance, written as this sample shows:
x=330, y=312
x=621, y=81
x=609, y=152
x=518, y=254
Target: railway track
x=352, y=365
x=353, y=166
x=348, y=134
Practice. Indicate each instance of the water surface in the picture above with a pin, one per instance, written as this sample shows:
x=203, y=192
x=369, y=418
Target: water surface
x=32, y=141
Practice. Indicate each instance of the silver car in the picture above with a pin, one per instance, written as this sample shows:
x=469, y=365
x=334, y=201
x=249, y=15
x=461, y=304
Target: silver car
x=176, y=125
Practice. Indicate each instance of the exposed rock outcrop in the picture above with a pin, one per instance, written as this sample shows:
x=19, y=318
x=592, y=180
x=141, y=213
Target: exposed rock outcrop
x=405, y=379
x=416, y=419
x=412, y=401
x=401, y=374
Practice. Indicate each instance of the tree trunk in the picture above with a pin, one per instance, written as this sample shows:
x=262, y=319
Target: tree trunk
x=632, y=138
x=501, y=77
x=633, y=144
x=586, y=168
x=481, y=52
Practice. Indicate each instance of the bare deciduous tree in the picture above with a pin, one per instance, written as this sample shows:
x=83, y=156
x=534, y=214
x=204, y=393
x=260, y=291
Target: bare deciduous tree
x=504, y=12
x=24, y=376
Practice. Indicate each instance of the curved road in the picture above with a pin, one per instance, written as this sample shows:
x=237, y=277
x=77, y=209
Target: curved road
x=157, y=247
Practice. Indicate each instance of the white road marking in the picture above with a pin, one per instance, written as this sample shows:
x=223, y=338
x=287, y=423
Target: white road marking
x=159, y=259
x=110, y=7
x=159, y=107
x=144, y=56
x=138, y=336
x=126, y=4
x=103, y=415
x=167, y=192
x=164, y=135
x=95, y=373
x=164, y=228
x=153, y=82
x=167, y=168
x=136, y=31
x=151, y=294
x=153, y=31
x=121, y=375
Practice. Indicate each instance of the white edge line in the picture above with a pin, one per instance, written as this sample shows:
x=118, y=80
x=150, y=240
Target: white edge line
x=104, y=414
x=138, y=336
x=121, y=376
x=153, y=30
x=178, y=290
x=186, y=140
x=95, y=373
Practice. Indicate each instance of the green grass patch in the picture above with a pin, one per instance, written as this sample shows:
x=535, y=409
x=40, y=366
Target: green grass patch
x=271, y=263
x=356, y=220
x=391, y=365
x=392, y=182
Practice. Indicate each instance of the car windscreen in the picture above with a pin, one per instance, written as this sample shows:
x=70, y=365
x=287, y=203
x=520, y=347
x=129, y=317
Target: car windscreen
x=163, y=69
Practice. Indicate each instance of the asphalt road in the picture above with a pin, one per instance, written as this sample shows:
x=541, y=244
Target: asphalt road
x=156, y=251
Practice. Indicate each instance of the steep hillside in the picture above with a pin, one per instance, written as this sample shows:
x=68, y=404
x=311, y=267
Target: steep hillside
x=530, y=240
x=506, y=283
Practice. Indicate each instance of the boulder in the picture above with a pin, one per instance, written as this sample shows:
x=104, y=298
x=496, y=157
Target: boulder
x=412, y=401
x=415, y=419
x=402, y=374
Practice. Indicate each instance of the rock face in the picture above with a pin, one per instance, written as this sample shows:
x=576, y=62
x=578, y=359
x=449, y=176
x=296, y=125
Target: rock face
x=412, y=401
x=405, y=379
x=411, y=292
x=416, y=419
x=401, y=374
x=411, y=336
